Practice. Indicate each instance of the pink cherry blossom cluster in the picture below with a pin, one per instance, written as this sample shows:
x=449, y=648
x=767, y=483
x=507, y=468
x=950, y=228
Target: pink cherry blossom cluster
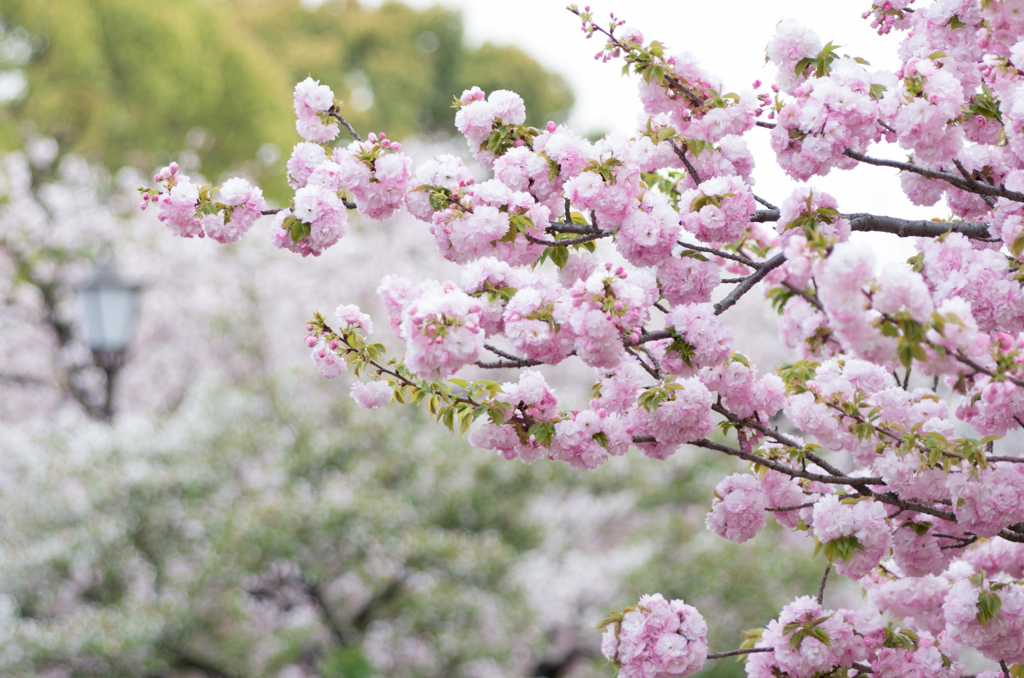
x=189, y=211
x=312, y=101
x=738, y=510
x=439, y=323
x=827, y=116
x=808, y=640
x=656, y=637
x=1000, y=637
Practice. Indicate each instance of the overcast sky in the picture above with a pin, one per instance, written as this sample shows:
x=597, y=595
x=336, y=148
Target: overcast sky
x=728, y=37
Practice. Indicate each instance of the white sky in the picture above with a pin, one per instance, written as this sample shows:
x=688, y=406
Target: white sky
x=729, y=39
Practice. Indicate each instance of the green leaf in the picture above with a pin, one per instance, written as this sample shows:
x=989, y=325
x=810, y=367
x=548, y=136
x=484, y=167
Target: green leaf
x=559, y=255
x=988, y=607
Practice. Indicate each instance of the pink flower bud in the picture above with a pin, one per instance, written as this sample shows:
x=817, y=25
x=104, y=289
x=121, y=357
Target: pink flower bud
x=551, y=126
x=310, y=341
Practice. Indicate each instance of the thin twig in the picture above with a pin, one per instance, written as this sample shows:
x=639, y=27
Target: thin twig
x=719, y=253
x=967, y=175
x=821, y=586
x=682, y=156
x=782, y=509
x=809, y=298
x=337, y=116
x=733, y=653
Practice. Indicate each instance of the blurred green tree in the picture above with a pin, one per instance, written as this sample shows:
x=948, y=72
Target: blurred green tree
x=124, y=82
x=130, y=83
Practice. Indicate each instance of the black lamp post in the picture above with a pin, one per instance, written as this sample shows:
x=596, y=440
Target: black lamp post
x=108, y=302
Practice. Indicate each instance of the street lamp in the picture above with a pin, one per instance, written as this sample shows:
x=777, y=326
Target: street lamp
x=108, y=301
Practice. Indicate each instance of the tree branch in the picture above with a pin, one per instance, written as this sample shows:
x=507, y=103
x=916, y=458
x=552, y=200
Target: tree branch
x=752, y=279
x=510, y=360
x=719, y=253
x=904, y=228
x=571, y=241
x=733, y=653
x=969, y=185
x=907, y=228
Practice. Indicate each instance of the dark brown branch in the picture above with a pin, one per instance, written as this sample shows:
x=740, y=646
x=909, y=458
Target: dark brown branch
x=682, y=156
x=907, y=228
x=969, y=185
x=654, y=335
x=754, y=278
x=967, y=175
x=655, y=370
x=762, y=216
x=779, y=437
x=904, y=228
x=50, y=292
x=510, y=360
x=782, y=468
x=274, y=210
x=571, y=241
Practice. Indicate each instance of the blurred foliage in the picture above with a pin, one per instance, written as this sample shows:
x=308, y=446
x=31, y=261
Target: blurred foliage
x=124, y=82
x=241, y=536
x=127, y=82
x=414, y=62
